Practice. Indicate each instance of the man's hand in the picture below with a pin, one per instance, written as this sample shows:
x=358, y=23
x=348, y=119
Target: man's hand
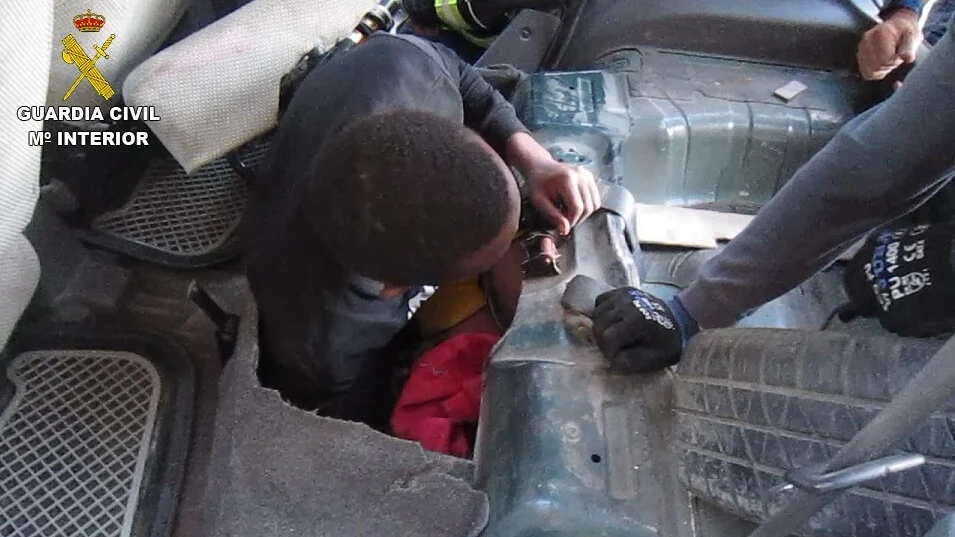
x=564, y=194
x=889, y=45
x=637, y=332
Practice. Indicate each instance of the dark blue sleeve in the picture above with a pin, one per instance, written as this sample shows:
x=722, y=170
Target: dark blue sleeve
x=892, y=5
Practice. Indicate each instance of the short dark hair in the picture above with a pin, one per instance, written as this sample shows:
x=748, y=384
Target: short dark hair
x=405, y=196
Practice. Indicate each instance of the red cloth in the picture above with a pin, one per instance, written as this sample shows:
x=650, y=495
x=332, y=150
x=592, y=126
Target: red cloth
x=441, y=401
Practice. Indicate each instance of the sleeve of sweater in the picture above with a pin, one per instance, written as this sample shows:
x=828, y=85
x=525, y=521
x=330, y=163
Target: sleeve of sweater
x=486, y=111
x=881, y=165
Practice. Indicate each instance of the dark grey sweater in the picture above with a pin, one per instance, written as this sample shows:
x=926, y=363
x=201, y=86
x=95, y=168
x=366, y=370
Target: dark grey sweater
x=316, y=322
x=881, y=165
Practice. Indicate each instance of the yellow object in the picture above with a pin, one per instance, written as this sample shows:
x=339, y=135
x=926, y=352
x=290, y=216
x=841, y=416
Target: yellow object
x=89, y=21
x=449, y=11
x=450, y=305
x=74, y=53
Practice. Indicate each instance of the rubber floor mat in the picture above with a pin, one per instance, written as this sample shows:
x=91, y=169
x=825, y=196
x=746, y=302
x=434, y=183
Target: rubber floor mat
x=181, y=220
x=85, y=444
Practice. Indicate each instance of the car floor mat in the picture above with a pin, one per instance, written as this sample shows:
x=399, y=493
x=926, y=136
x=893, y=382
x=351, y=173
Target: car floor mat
x=182, y=220
x=94, y=433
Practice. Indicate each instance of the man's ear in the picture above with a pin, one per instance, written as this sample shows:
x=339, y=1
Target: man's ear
x=390, y=291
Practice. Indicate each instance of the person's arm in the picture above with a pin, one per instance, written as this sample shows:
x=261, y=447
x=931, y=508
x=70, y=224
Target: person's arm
x=564, y=194
x=486, y=111
x=883, y=164
x=892, y=42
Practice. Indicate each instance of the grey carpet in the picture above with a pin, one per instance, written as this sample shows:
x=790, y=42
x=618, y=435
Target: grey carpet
x=280, y=471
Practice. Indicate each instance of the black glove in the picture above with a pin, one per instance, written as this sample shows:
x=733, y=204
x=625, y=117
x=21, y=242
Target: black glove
x=905, y=276
x=638, y=332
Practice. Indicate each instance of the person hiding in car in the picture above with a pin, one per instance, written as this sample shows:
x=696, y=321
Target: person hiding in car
x=389, y=170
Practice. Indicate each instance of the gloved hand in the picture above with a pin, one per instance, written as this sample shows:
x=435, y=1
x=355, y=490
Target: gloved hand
x=637, y=332
x=905, y=276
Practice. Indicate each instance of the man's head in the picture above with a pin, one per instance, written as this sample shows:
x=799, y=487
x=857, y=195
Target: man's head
x=408, y=197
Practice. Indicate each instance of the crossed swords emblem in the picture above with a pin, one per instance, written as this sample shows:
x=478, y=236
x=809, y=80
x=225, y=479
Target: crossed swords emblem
x=74, y=53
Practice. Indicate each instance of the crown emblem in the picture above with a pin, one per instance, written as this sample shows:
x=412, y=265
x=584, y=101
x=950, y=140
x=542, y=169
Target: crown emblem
x=89, y=21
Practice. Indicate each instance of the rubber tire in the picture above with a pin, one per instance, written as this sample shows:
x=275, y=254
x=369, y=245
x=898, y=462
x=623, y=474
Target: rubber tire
x=753, y=403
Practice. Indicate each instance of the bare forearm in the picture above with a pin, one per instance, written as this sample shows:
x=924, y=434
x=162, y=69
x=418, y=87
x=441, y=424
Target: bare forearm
x=524, y=152
x=564, y=194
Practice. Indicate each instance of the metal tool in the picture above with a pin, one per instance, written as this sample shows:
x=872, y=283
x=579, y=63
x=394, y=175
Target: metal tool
x=379, y=18
x=930, y=390
x=383, y=17
x=812, y=479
